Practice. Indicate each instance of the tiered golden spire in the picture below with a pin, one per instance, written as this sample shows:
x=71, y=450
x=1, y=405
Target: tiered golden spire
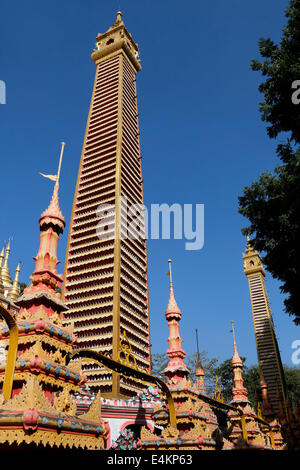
x=15, y=290
x=1, y=257
x=1, y=282
x=7, y=286
x=6, y=279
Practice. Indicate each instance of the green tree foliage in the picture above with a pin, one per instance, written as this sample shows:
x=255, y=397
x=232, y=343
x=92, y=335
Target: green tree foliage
x=158, y=363
x=22, y=286
x=292, y=377
x=272, y=204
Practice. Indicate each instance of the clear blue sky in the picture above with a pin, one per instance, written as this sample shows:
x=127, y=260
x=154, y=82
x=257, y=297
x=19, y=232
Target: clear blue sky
x=201, y=135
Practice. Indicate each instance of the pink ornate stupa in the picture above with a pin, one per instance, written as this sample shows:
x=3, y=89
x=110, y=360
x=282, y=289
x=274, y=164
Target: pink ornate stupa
x=42, y=411
x=176, y=369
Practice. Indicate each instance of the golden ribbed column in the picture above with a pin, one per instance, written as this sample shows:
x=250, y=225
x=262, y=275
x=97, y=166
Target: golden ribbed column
x=268, y=354
x=105, y=278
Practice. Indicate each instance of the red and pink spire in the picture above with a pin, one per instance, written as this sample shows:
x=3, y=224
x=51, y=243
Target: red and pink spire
x=45, y=280
x=176, y=369
x=239, y=391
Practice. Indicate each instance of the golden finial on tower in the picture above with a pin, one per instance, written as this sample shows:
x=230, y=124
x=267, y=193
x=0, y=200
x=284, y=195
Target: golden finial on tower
x=119, y=16
x=1, y=282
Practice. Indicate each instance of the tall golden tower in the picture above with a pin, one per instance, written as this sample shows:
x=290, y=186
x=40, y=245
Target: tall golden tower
x=105, y=278
x=269, y=360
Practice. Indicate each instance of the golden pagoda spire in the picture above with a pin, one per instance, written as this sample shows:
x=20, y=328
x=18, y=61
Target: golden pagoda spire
x=1, y=257
x=6, y=279
x=15, y=290
x=1, y=282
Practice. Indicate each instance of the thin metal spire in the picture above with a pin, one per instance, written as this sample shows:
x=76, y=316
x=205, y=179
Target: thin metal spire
x=170, y=272
x=233, y=333
x=198, y=355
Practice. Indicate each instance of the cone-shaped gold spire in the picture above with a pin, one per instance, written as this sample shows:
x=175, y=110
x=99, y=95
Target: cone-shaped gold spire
x=15, y=290
x=6, y=279
x=1, y=282
x=1, y=257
